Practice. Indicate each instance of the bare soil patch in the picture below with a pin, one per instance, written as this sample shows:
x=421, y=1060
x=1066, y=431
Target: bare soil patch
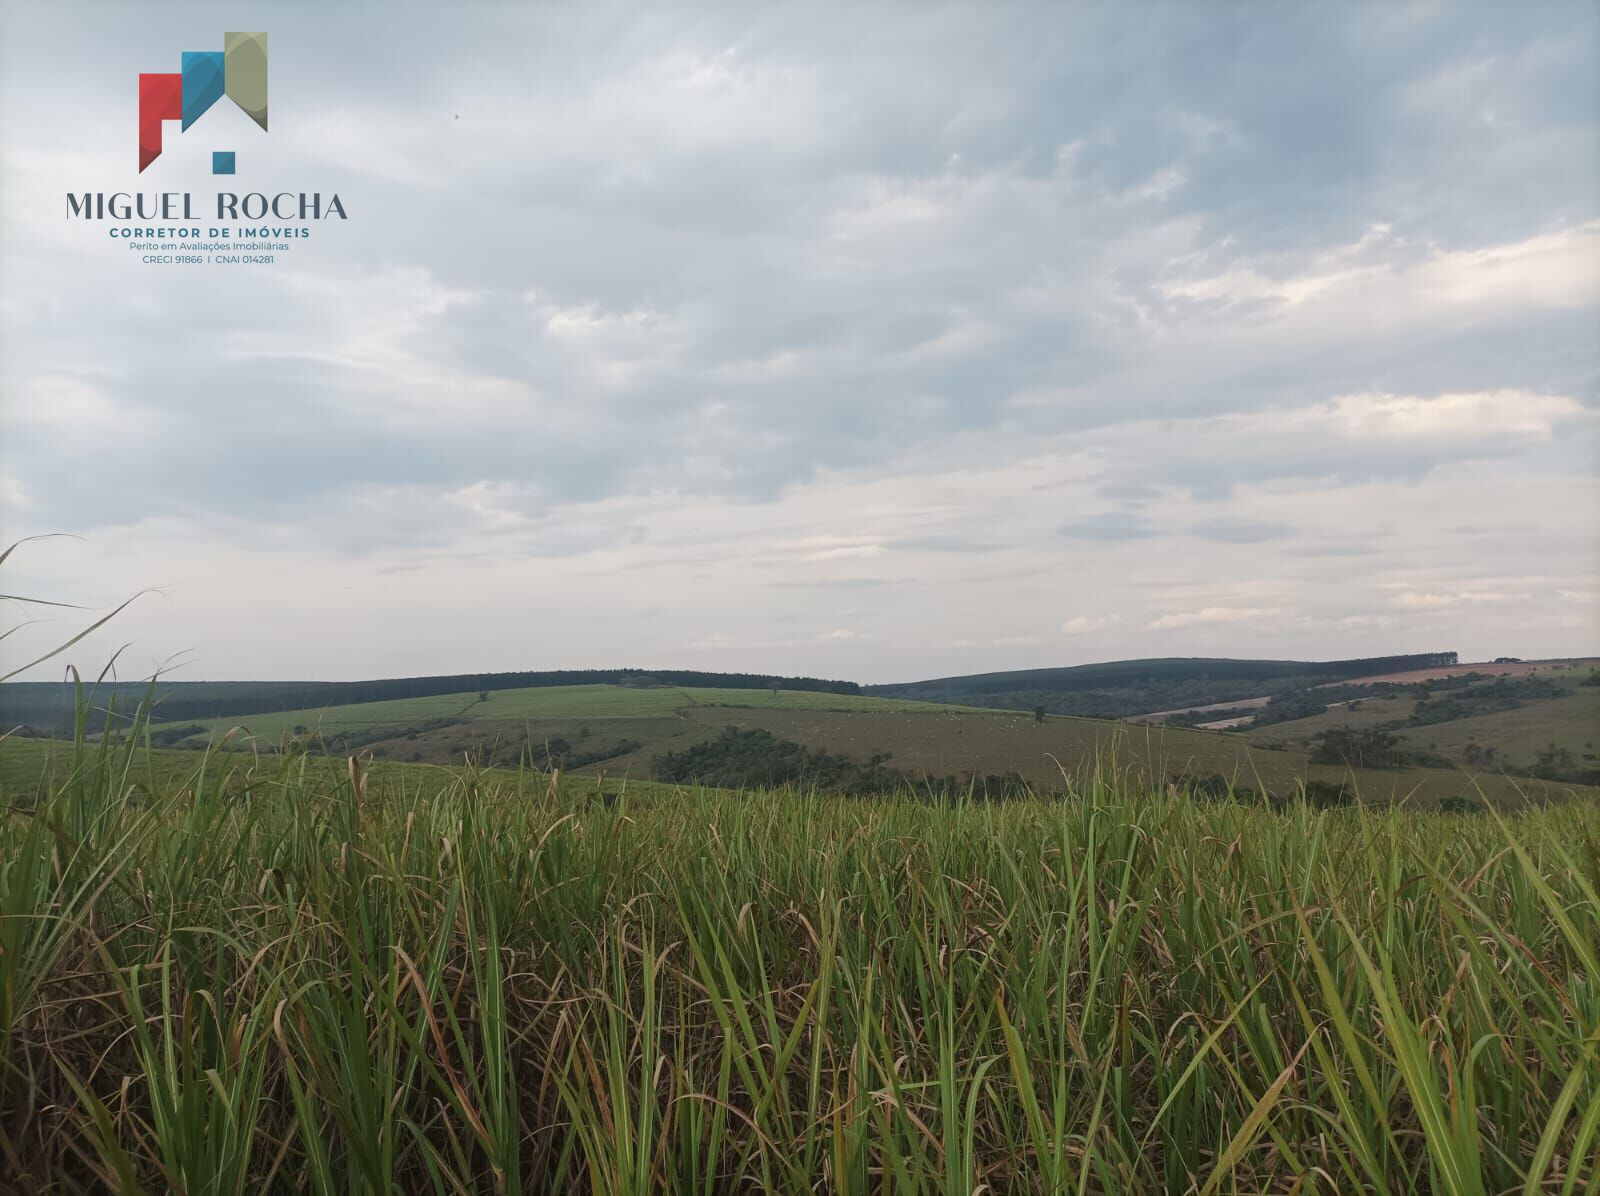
x=1520, y=668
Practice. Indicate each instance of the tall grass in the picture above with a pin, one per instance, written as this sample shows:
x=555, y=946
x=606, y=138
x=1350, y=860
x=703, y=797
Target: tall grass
x=281, y=976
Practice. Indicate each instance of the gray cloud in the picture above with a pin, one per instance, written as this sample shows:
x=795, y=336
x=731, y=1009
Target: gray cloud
x=1241, y=531
x=1222, y=271
x=1112, y=525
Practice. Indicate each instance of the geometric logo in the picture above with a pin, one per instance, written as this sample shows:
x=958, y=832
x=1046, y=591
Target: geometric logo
x=238, y=71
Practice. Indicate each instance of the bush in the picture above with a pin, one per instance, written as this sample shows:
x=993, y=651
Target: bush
x=1370, y=748
x=1325, y=795
x=741, y=759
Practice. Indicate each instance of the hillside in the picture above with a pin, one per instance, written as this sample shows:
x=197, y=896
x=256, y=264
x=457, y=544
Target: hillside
x=1545, y=723
x=624, y=731
x=1446, y=730
x=1118, y=689
x=937, y=745
x=1112, y=689
x=573, y=726
x=47, y=707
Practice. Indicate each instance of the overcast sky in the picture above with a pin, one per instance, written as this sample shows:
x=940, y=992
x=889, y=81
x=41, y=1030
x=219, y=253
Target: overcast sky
x=875, y=341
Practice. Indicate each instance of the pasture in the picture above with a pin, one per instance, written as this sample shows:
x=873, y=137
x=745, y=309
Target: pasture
x=622, y=730
x=1044, y=754
x=1568, y=720
x=551, y=702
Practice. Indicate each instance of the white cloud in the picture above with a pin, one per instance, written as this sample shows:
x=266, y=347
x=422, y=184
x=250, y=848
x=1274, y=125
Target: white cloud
x=1478, y=415
x=1210, y=615
x=1427, y=600
x=1556, y=269
x=1087, y=624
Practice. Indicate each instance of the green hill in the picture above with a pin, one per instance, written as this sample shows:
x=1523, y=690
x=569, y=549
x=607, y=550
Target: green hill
x=1551, y=723
x=50, y=707
x=622, y=731
x=571, y=705
x=1120, y=688
x=1459, y=734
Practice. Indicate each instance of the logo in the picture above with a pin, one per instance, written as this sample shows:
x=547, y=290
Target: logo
x=238, y=71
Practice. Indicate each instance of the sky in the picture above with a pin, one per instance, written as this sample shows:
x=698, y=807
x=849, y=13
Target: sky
x=872, y=341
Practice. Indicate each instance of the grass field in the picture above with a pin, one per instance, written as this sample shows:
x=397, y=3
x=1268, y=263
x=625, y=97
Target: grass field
x=948, y=744
x=1569, y=720
x=1570, y=666
x=1354, y=716
x=1572, y=721
x=420, y=980
x=582, y=702
x=923, y=739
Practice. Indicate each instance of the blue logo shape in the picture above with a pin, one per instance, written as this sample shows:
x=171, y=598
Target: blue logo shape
x=202, y=83
x=221, y=161
x=238, y=71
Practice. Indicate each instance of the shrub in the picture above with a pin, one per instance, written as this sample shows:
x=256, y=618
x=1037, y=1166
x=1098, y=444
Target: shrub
x=1370, y=748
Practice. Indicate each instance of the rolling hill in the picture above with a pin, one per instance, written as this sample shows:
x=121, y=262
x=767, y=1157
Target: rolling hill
x=1456, y=733
x=622, y=731
x=1121, y=688
x=49, y=707
x=1546, y=721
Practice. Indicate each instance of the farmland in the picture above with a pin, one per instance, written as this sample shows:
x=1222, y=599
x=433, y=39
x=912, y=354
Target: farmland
x=1127, y=688
x=1504, y=722
x=1571, y=721
x=568, y=702
x=55, y=707
x=1507, y=668
x=623, y=730
x=958, y=744
x=290, y=974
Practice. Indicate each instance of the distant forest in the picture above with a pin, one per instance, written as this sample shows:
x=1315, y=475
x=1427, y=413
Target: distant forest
x=46, y=707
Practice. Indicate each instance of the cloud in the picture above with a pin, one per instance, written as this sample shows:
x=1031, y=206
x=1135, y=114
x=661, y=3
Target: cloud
x=783, y=327
x=1556, y=269
x=1087, y=624
x=1112, y=525
x=1452, y=416
x=1428, y=600
x=945, y=544
x=1241, y=531
x=1211, y=615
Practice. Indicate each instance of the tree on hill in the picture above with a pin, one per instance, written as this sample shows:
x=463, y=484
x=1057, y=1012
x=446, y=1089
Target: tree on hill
x=758, y=759
x=1359, y=749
